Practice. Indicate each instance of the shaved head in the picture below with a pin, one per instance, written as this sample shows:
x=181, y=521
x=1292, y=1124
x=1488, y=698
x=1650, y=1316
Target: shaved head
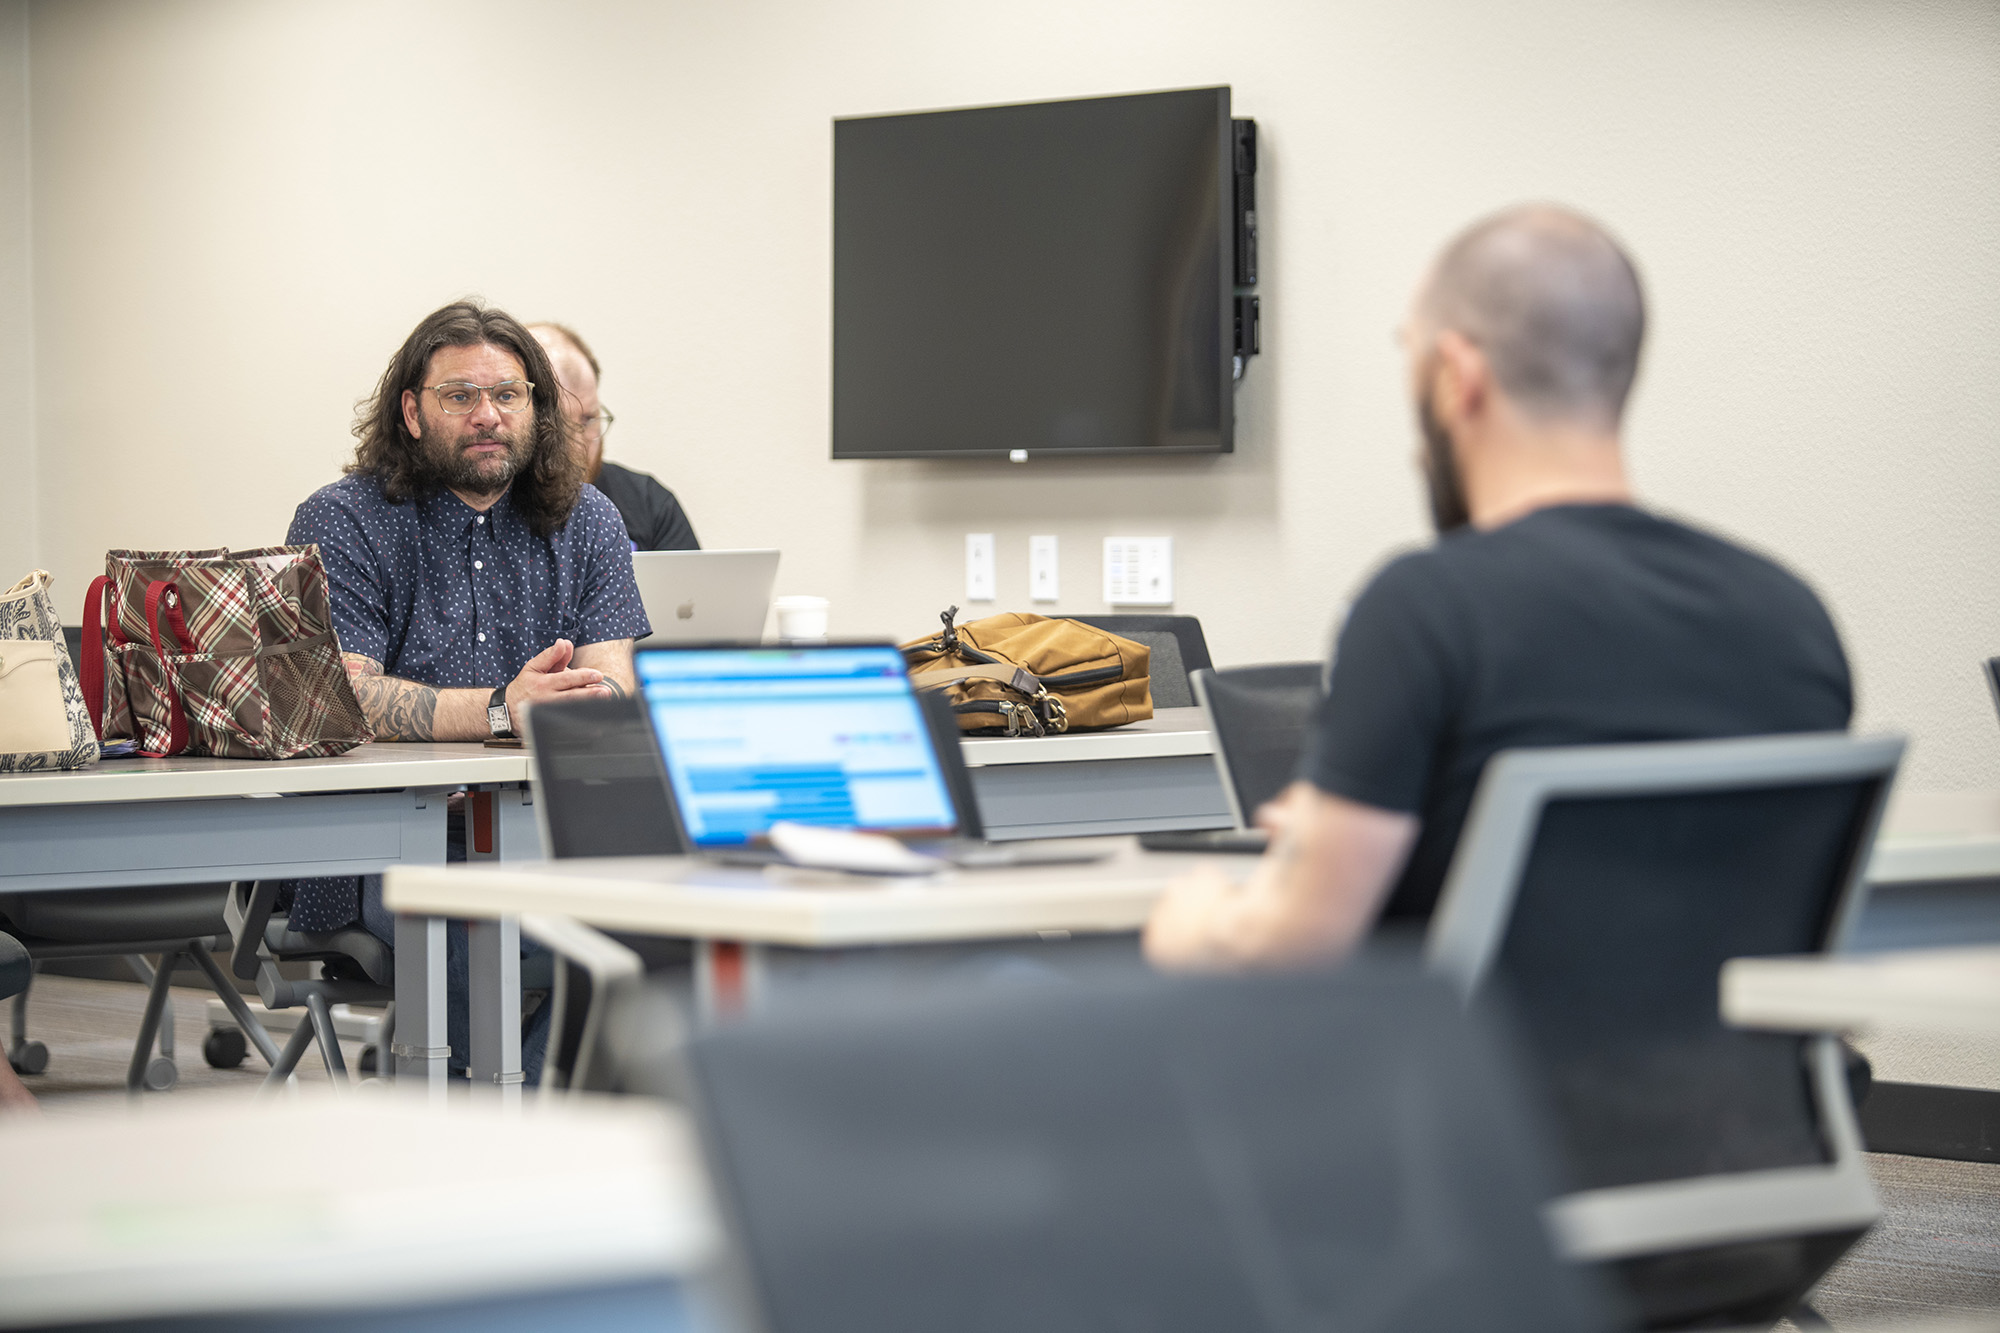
x=1554, y=304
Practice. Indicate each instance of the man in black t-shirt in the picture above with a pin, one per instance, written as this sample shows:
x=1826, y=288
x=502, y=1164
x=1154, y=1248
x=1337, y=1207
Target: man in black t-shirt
x=653, y=517
x=1551, y=611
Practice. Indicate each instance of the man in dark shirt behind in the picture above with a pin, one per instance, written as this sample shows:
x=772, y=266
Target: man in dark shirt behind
x=1551, y=611
x=654, y=519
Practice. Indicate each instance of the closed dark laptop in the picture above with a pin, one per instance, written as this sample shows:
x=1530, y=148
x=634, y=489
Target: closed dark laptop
x=599, y=790
x=1343, y=1152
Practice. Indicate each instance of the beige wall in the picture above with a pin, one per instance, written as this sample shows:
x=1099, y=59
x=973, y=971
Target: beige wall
x=18, y=536
x=240, y=208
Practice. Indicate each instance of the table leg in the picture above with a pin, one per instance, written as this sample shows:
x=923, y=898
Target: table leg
x=494, y=994
x=727, y=974
x=422, y=1044
x=494, y=820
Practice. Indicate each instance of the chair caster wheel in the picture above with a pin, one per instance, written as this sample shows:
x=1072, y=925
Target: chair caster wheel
x=161, y=1074
x=30, y=1057
x=224, y=1048
x=370, y=1063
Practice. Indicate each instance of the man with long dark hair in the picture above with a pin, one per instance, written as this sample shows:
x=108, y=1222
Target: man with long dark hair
x=472, y=572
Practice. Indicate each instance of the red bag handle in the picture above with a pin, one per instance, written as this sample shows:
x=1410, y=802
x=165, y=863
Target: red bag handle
x=157, y=591
x=91, y=668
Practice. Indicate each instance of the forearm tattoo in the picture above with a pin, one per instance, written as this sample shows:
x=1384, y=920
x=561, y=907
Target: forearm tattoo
x=396, y=709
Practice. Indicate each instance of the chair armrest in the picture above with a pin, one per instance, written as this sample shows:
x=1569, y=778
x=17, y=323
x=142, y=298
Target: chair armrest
x=248, y=912
x=608, y=964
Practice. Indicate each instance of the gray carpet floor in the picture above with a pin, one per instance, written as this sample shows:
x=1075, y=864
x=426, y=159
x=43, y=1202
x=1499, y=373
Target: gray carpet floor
x=89, y=1028
x=1935, y=1255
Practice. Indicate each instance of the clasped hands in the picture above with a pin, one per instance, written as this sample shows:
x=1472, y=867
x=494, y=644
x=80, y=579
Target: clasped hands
x=548, y=676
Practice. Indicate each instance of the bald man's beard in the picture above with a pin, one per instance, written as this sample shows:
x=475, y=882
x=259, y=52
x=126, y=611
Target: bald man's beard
x=1447, y=495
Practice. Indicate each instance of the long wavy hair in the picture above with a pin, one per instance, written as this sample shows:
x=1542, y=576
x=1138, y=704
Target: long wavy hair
x=546, y=487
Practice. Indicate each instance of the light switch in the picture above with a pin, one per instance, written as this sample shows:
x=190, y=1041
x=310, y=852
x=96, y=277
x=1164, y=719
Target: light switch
x=1139, y=571
x=1042, y=581
x=980, y=576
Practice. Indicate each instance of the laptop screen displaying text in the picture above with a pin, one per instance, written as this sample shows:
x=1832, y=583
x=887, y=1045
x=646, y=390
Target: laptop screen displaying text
x=822, y=735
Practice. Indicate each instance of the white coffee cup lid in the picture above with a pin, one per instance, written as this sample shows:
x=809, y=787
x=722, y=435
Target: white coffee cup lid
x=802, y=604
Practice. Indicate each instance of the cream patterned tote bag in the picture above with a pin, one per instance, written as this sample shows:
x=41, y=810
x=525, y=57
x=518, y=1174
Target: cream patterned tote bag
x=43, y=720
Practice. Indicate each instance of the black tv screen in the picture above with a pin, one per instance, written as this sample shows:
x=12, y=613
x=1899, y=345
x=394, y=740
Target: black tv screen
x=1053, y=278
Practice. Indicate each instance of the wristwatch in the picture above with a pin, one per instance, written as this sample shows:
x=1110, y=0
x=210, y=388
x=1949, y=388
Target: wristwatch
x=496, y=714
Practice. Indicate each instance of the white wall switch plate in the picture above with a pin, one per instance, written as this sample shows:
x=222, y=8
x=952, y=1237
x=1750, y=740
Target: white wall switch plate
x=981, y=579
x=1042, y=580
x=1139, y=571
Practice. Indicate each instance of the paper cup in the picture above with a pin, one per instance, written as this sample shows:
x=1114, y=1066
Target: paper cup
x=802, y=619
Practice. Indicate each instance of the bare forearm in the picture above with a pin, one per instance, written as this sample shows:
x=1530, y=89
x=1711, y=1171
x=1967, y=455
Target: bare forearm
x=1309, y=899
x=613, y=659
x=1322, y=884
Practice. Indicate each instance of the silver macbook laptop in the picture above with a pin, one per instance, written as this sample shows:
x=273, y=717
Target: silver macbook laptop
x=705, y=596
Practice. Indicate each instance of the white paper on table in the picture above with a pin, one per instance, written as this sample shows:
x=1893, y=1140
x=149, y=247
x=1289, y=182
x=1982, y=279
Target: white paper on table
x=845, y=849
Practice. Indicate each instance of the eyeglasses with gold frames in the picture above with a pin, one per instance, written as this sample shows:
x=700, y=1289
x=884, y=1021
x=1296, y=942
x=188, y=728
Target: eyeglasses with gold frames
x=457, y=398
x=598, y=423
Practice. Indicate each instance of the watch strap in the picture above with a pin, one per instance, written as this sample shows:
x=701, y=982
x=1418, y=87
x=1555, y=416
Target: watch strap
x=498, y=719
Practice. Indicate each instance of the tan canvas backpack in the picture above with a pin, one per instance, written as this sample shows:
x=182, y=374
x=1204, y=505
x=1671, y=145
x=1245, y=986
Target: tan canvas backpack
x=1026, y=674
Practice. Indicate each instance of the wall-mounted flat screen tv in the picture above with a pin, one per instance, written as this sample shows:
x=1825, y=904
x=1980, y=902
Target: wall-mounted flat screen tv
x=1050, y=278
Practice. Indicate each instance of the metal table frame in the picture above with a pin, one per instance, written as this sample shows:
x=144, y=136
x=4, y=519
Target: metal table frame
x=128, y=823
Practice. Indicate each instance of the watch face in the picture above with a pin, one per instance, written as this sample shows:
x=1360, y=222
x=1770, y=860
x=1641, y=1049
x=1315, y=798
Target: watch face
x=496, y=718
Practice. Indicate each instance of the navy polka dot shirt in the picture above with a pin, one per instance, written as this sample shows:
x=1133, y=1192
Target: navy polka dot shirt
x=439, y=593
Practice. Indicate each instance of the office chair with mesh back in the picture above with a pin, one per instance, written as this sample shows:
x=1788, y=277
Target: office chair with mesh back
x=1258, y=717
x=174, y=921
x=355, y=968
x=1335, y=1150
x=1177, y=647
x=16, y=968
x=1716, y=1174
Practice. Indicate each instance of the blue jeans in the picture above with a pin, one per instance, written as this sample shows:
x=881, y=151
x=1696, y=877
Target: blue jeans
x=381, y=923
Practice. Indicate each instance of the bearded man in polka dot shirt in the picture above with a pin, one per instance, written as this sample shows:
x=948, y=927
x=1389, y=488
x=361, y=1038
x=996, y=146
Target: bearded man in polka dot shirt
x=473, y=574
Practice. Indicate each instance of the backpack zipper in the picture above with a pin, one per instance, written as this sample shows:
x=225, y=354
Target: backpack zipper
x=1089, y=677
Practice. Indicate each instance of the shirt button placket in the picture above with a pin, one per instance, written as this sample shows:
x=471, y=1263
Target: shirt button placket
x=479, y=672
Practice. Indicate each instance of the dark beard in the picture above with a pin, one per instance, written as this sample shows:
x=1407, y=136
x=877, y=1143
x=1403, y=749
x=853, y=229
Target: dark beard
x=451, y=467
x=1448, y=508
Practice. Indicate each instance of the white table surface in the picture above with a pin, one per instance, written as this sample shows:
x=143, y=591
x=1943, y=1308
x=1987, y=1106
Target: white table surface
x=1168, y=733
x=210, y=1204
x=384, y=765
x=1938, y=835
x=1942, y=990
x=776, y=905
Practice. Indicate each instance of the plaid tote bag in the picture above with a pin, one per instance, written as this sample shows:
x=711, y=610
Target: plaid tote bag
x=218, y=653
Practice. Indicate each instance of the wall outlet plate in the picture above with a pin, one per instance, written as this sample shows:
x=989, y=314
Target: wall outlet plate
x=981, y=578
x=1139, y=571
x=1043, y=582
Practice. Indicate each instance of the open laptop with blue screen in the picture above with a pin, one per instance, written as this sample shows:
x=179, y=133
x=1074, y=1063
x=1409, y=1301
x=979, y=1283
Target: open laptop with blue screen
x=820, y=734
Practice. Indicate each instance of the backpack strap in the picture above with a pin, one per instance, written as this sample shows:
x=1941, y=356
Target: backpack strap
x=1013, y=677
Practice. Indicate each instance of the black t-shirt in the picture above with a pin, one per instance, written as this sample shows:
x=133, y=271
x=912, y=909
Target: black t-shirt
x=1576, y=625
x=653, y=517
